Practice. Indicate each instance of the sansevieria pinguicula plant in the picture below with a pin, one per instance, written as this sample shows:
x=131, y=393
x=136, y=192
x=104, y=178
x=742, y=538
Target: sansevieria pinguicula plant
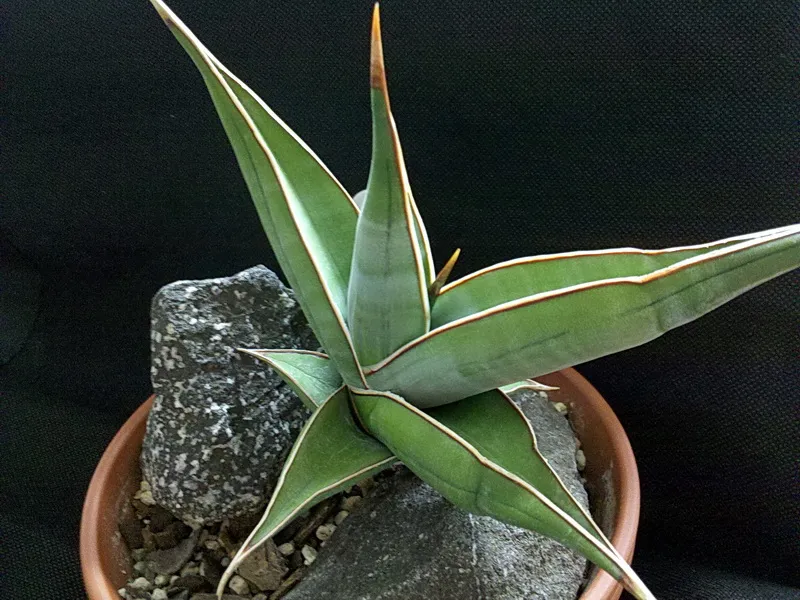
x=417, y=371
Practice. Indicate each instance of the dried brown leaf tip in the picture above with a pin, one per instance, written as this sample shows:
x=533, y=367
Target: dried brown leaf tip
x=163, y=12
x=444, y=274
x=377, y=72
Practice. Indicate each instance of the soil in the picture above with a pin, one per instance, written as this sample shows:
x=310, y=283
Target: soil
x=173, y=561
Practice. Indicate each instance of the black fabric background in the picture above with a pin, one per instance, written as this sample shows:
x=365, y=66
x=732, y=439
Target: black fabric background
x=527, y=127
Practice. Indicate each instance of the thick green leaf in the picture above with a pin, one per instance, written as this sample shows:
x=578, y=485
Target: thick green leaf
x=311, y=375
x=472, y=481
x=330, y=454
x=388, y=292
x=522, y=277
x=553, y=330
x=359, y=197
x=526, y=384
x=309, y=218
x=423, y=241
x=500, y=431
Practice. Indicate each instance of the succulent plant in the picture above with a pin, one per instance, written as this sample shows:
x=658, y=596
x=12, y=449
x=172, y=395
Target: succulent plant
x=417, y=371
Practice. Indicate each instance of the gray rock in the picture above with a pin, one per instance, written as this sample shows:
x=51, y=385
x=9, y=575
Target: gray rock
x=167, y=562
x=264, y=568
x=406, y=541
x=222, y=422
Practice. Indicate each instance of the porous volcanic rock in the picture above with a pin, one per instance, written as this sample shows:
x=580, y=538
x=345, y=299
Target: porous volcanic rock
x=222, y=422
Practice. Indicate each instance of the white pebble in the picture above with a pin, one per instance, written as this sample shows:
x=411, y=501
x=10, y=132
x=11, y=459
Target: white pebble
x=324, y=532
x=239, y=586
x=190, y=569
x=140, y=583
x=140, y=567
x=580, y=460
x=123, y=593
x=146, y=497
x=159, y=595
x=560, y=407
x=340, y=517
x=212, y=544
x=350, y=503
x=309, y=554
x=138, y=554
x=286, y=549
x=162, y=580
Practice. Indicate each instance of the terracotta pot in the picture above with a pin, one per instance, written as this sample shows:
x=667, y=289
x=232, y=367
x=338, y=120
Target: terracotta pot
x=611, y=475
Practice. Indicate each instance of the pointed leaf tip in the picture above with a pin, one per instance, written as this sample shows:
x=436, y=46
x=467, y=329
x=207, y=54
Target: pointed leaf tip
x=163, y=11
x=377, y=73
x=443, y=275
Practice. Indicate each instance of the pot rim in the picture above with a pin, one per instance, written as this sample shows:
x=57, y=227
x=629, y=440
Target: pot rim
x=107, y=480
x=626, y=482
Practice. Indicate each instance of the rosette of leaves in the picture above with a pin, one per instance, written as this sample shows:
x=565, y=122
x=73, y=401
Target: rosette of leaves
x=417, y=371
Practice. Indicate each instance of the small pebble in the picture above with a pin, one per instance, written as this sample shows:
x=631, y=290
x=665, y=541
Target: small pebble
x=162, y=580
x=309, y=554
x=260, y=597
x=340, y=517
x=138, y=554
x=123, y=593
x=366, y=484
x=239, y=586
x=141, y=583
x=212, y=544
x=560, y=407
x=211, y=570
x=225, y=561
x=324, y=532
x=159, y=595
x=286, y=549
x=174, y=578
x=140, y=566
x=190, y=569
x=146, y=498
x=193, y=583
x=350, y=503
x=580, y=460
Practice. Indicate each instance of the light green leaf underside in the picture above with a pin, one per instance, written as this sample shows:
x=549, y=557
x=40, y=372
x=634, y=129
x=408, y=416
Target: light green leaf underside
x=500, y=431
x=553, y=330
x=423, y=242
x=330, y=454
x=310, y=375
x=526, y=384
x=387, y=297
x=473, y=482
x=308, y=217
x=358, y=198
x=422, y=235
x=523, y=277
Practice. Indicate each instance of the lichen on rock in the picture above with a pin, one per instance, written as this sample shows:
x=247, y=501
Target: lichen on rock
x=221, y=423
